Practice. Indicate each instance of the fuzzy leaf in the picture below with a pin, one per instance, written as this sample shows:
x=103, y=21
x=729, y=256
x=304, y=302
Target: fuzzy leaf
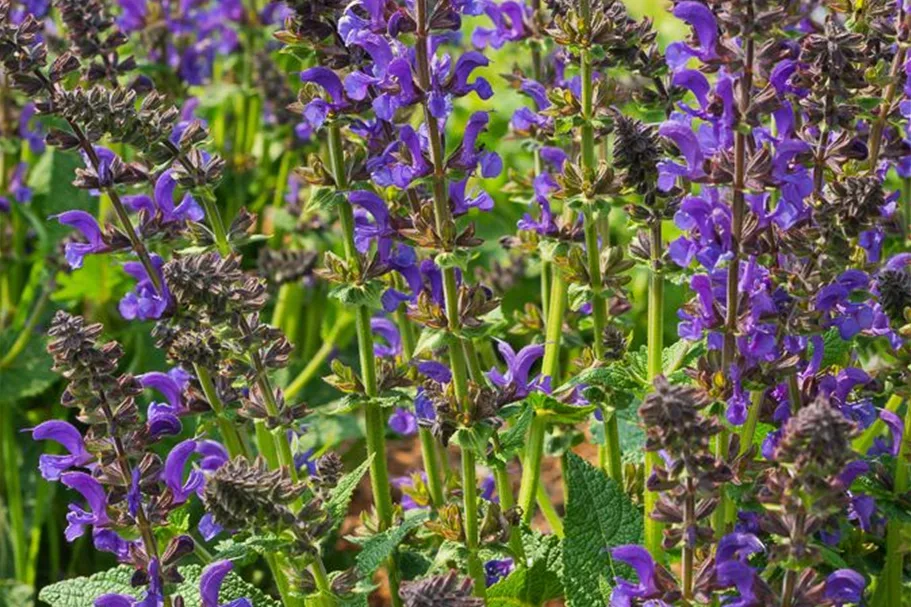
x=598, y=517
x=82, y=591
x=513, y=440
x=558, y=412
x=358, y=295
x=340, y=496
x=377, y=548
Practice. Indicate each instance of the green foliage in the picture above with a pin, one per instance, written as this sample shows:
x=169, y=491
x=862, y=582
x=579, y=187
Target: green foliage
x=340, y=497
x=376, y=549
x=28, y=374
x=557, y=412
x=82, y=591
x=598, y=517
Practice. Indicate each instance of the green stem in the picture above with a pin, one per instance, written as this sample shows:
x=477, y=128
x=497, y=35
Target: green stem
x=266, y=444
x=549, y=512
x=531, y=468
x=470, y=497
x=892, y=578
x=457, y=356
x=216, y=223
x=504, y=490
x=655, y=340
x=229, y=433
x=318, y=568
x=612, y=460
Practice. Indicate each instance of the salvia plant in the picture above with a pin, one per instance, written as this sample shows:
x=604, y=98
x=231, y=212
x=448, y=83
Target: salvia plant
x=450, y=303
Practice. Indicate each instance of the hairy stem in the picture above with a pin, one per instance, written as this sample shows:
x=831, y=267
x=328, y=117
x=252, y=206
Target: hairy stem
x=655, y=347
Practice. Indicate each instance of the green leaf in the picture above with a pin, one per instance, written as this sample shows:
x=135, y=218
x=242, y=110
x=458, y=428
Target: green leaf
x=16, y=593
x=529, y=586
x=27, y=375
x=82, y=591
x=474, y=439
x=233, y=550
x=340, y=497
x=323, y=198
x=430, y=339
x=537, y=584
x=358, y=295
x=835, y=349
x=378, y=548
x=513, y=440
x=557, y=412
x=680, y=355
x=456, y=259
x=598, y=517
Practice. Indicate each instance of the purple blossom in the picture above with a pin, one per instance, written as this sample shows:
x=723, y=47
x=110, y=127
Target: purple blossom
x=508, y=19
x=625, y=592
x=164, y=418
x=385, y=328
x=497, y=569
x=403, y=422
x=701, y=19
x=845, y=586
x=162, y=202
x=210, y=585
x=212, y=456
x=153, y=596
x=144, y=302
x=75, y=252
x=892, y=444
x=64, y=433
x=518, y=367
x=77, y=518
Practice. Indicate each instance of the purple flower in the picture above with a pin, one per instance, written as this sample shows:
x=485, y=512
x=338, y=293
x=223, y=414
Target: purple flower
x=508, y=20
x=75, y=252
x=21, y=193
x=685, y=140
x=107, y=540
x=845, y=586
x=208, y=528
x=741, y=576
x=369, y=204
x=737, y=546
x=164, y=418
x=472, y=155
x=213, y=455
x=518, y=366
x=162, y=202
x=317, y=110
x=52, y=466
x=625, y=592
x=423, y=407
x=497, y=569
x=210, y=585
x=403, y=422
x=386, y=329
x=78, y=518
x=153, y=597
x=701, y=19
x=891, y=445
x=144, y=302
